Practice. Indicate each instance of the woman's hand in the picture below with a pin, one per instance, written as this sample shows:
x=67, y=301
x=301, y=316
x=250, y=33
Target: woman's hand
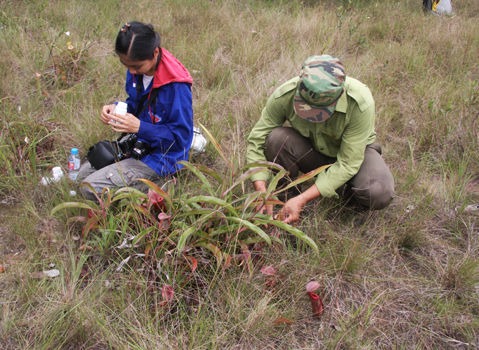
x=124, y=123
x=106, y=113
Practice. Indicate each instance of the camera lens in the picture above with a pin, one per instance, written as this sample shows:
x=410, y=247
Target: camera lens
x=140, y=149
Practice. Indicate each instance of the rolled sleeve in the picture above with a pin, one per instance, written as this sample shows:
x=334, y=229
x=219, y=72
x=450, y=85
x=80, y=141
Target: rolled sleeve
x=356, y=137
x=271, y=118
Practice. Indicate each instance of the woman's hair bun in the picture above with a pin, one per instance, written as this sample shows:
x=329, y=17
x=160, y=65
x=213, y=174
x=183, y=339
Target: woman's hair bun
x=138, y=41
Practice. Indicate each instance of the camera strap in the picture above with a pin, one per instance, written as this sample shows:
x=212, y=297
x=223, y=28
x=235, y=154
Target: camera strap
x=150, y=97
x=147, y=97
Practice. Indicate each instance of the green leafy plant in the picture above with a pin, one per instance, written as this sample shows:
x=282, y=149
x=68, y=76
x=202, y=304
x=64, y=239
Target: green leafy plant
x=222, y=218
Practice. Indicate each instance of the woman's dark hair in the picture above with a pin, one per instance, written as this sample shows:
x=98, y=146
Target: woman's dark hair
x=137, y=41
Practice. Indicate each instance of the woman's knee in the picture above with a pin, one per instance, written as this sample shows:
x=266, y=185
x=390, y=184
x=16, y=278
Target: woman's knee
x=87, y=192
x=85, y=170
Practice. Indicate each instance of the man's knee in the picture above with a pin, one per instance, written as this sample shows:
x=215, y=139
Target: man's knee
x=275, y=142
x=381, y=196
x=376, y=196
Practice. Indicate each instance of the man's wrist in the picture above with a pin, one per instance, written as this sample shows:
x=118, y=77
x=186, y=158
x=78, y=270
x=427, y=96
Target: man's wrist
x=260, y=185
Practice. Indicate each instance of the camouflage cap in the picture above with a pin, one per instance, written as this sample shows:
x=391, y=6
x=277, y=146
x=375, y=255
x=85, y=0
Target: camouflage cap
x=319, y=88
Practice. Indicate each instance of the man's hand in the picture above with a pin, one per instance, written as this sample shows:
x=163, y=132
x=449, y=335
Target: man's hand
x=291, y=210
x=261, y=187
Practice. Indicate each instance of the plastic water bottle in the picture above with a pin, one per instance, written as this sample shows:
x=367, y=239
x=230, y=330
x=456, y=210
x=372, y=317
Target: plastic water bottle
x=120, y=109
x=73, y=164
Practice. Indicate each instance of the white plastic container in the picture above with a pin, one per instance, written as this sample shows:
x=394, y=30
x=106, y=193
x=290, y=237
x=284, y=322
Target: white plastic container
x=199, y=142
x=57, y=173
x=73, y=164
x=120, y=109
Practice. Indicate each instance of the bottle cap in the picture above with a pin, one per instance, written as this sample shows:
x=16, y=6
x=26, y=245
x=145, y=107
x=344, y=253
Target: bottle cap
x=74, y=150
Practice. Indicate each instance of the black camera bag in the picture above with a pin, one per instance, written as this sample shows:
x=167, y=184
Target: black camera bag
x=106, y=152
x=102, y=154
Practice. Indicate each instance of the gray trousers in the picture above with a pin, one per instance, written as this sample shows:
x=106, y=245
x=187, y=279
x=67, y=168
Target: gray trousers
x=372, y=186
x=120, y=174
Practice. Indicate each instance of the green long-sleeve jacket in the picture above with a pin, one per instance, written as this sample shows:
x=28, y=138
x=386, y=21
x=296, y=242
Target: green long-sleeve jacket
x=344, y=135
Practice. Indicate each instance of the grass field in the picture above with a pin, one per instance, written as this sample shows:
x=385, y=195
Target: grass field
x=406, y=277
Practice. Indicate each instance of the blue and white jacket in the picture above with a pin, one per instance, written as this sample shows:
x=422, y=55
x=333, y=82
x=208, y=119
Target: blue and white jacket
x=167, y=123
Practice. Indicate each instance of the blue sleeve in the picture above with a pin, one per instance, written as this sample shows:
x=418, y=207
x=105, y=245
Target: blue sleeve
x=131, y=91
x=173, y=113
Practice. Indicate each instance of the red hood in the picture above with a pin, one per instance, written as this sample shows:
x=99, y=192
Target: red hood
x=170, y=70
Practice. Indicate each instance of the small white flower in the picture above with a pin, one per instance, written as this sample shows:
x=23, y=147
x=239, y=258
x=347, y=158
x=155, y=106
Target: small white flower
x=67, y=33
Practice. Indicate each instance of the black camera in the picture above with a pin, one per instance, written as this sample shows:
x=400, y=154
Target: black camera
x=107, y=152
x=140, y=149
x=129, y=146
x=125, y=145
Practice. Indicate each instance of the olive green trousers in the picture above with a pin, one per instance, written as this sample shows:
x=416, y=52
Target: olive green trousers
x=372, y=187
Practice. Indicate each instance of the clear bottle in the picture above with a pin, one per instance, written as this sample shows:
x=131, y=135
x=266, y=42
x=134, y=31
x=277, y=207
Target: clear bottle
x=73, y=164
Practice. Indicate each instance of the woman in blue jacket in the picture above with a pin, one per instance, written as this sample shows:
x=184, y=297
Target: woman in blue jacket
x=160, y=111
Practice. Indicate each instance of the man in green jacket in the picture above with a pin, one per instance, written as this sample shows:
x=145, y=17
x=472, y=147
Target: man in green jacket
x=331, y=120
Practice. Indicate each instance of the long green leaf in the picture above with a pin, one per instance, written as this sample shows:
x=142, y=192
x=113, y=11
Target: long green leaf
x=208, y=171
x=77, y=219
x=90, y=187
x=305, y=177
x=92, y=223
x=199, y=175
x=214, y=249
x=205, y=214
x=158, y=190
x=142, y=234
x=253, y=240
x=252, y=198
x=259, y=201
x=142, y=210
x=215, y=144
x=71, y=205
x=253, y=228
x=294, y=231
x=243, y=178
x=212, y=200
x=129, y=191
x=225, y=229
x=274, y=183
x=262, y=164
x=184, y=236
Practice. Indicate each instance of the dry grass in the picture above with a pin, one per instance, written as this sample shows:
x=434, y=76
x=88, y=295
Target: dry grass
x=403, y=278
